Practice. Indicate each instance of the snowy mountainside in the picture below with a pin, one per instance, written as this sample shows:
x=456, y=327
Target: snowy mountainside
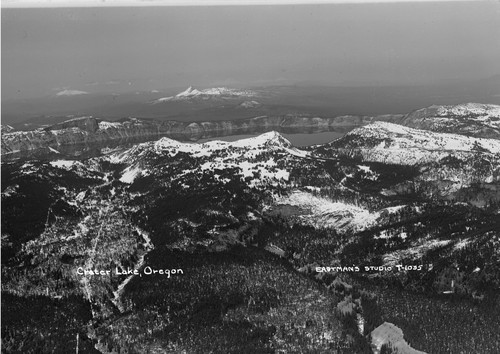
x=472, y=119
x=396, y=136
x=254, y=157
x=470, y=109
x=242, y=219
x=448, y=163
x=393, y=143
x=210, y=93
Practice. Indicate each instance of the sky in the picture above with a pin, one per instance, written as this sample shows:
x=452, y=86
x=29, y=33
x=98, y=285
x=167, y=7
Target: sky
x=119, y=49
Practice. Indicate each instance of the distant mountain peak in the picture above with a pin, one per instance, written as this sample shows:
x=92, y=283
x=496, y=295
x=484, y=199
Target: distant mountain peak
x=214, y=92
x=249, y=104
x=71, y=93
x=189, y=92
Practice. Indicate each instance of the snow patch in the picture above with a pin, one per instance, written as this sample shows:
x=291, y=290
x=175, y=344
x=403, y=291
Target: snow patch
x=66, y=164
x=323, y=213
x=415, y=252
x=130, y=174
x=103, y=125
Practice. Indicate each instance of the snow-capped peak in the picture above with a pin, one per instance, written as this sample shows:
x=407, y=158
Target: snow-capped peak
x=215, y=92
x=272, y=138
x=249, y=104
x=271, y=141
x=189, y=92
x=251, y=156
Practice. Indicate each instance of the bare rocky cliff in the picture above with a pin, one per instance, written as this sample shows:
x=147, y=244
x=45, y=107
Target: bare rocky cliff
x=88, y=130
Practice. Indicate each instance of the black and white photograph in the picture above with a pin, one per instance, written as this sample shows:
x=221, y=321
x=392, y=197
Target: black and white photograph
x=224, y=176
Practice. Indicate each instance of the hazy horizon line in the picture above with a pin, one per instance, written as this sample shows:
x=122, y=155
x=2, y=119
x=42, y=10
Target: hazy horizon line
x=302, y=84
x=18, y=4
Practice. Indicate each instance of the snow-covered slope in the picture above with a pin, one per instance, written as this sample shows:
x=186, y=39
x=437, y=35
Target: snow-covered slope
x=444, y=164
x=393, y=143
x=404, y=137
x=323, y=213
x=252, y=157
x=472, y=119
x=216, y=92
x=483, y=111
